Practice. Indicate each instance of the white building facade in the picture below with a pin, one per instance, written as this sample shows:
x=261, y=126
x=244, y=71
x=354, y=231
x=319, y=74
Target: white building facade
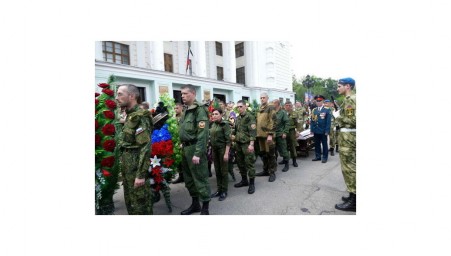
x=226, y=70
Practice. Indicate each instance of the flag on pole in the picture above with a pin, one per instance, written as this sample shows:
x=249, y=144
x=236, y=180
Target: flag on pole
x=188, y=59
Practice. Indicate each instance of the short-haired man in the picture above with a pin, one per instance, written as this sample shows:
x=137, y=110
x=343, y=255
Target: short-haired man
x=244, y=137
x=281, y=133
x=320, y=128
x=134, y=146
x=346, y=119
x=266, y=129
x=193, y=137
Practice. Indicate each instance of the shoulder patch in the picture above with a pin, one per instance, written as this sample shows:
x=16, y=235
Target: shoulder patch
x=202, y=124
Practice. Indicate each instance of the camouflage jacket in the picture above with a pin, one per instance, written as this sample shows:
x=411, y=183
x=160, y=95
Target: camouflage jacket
x=282, y=123
x=347, y=118
x=245, y=128
x=266, y=121
x=136, y=136
x=294, y=121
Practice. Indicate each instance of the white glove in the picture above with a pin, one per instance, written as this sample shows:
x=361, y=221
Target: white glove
x=336, y=113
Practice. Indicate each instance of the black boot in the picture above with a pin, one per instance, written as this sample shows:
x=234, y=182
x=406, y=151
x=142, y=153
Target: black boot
x=242, y=183
x=209, y=170
x=286, y=167
x=336, y=148
x=251, y=189
x=332, y=151
x=272, y=177
x=179, y=179
x=195, y=207
x=294, y=162
x=346, y=198
x=204, y=210
x=349, y=205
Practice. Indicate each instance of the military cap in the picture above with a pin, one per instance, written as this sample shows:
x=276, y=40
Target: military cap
x=319, y=97
x=326, y=101
x=288, y=102
x=347, y=80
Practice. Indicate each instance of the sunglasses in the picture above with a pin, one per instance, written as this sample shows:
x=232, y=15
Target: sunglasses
x=239, y=106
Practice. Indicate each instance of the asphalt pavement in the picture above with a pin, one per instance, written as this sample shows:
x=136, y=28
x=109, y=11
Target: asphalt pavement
x=312, y=188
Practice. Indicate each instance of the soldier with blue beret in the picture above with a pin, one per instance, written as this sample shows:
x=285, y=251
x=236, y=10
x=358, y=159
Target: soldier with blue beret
x=346, y=119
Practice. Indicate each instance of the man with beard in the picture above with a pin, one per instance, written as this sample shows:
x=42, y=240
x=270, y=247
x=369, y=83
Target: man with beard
x=134, y=147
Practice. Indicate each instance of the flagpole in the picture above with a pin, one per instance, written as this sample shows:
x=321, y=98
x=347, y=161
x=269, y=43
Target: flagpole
x=190, y=66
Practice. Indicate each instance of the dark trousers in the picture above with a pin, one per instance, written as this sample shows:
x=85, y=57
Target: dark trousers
x=321, y=140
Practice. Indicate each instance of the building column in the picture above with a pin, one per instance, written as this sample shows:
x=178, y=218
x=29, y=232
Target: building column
x=157, y=55
x=199, y=58
x=211, y=63
x=182, y=50
x=140, y=54
x=251, y=60
x=228, y=49
x=99, y=51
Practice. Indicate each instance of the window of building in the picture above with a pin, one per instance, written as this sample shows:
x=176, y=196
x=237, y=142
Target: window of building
x=240, y=76
x=281, y=100
x=168, y=62
x=177, y=96
x=220, y=73
x=220, y=97
x=218, y=48
x=245, y=98
x=142, y=93
x=116, y=52
x=239, y=50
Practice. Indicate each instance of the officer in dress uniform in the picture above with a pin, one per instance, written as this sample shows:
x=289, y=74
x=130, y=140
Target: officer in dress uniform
x=346, y=119
x=134, y=152
x=320, y=128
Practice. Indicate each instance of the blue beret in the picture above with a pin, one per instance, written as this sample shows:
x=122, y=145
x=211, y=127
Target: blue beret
x=326, y=101
x=347, y=80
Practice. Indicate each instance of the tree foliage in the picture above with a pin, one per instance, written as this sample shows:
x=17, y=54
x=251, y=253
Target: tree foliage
x=317, y=85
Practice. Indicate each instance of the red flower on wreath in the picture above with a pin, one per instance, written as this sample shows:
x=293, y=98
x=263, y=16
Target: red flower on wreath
x=108, y=114
x=104, y=85
x=97, y=94
x=109, y=145
x=97, y=124
x=108, y=129
x=97, y=139
x=97, y=101
x=108, y=92
x=110, y=104
x=107, y=161
x=106, y=173
x=168, y=162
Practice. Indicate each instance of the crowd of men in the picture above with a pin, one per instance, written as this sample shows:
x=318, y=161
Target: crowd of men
x=235, y=136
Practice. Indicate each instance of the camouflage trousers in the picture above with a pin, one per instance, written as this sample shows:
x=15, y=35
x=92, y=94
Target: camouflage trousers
x=137, y=200
x=268, y=151
x=245, y=160
x=221, y=168
x=196, y=175
x=281, y=147
x=347, y=144
x=292, y=142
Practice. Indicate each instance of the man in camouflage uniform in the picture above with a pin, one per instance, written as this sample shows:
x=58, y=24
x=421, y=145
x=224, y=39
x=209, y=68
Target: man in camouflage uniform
x=281, y=133
x=294, y=127
x=266, y=129
x=193, y=137
x=346, y=119
x=244, y=136
x=134, y=152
